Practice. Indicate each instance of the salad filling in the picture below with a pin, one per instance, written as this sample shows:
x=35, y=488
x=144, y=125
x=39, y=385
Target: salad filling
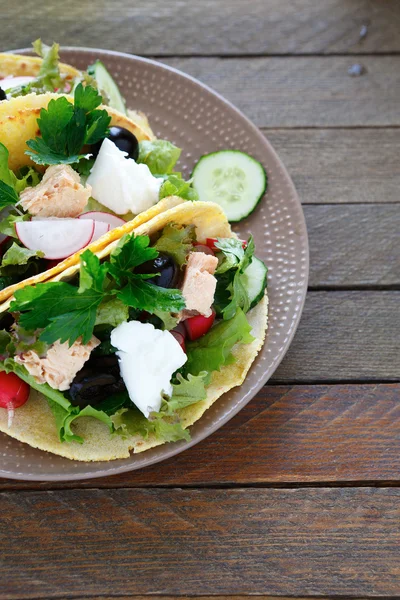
x=133, y=339
x=84, y=179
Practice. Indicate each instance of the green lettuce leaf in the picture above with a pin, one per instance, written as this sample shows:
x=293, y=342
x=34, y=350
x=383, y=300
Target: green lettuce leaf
x=176, y=241
x=130, y=421
x=166, y=424
x=174, y=185
x=231, y=292
x=11, y=185
x=18, y=255
x=214, y=349
x=112, y=312
x=7, y=224
x=186, y=392
x=5, y=339
x=159, y=155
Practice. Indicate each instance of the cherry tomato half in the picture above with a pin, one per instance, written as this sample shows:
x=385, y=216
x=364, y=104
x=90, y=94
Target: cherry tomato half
x=199, y=325
x=14, y=392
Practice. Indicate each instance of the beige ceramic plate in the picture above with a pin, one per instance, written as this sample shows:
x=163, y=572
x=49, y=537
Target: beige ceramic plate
x=198, y=120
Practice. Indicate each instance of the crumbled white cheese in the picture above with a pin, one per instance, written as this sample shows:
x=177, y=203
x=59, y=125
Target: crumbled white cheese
x=148, y=358
x=120, y=183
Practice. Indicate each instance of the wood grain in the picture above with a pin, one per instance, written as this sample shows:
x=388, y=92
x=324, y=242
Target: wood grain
x=354, y=245
x=285, y=435
x=341, y=165
x=271, y=541
x=345, y=336
x=219, y=27
x=304, y=91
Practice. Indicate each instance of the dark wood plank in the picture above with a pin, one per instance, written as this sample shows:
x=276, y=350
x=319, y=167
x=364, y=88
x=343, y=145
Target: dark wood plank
x=304, y=91
x=341, y=165
x=354, y=245
x=177, y=542
x=209, y=27
x=285, y=435
x=349, y=336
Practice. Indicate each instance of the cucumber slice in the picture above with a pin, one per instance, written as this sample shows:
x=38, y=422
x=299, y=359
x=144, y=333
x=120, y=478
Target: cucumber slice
x=107, y=85
x=255, y=280
x=232, y=179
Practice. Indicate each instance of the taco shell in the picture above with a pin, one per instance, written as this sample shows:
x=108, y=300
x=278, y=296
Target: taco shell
x=18, y=65
x=34, y=422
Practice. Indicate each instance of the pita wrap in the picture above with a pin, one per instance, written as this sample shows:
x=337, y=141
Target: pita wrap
x=34, y=422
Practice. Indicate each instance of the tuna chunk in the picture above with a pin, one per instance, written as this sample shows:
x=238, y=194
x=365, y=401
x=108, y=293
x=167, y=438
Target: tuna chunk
x=199, y=284
x=60, y=365
x=59, y=194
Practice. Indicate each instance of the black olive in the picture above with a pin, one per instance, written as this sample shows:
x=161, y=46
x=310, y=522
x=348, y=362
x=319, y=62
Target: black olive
x=99, y=379
x=166, y=266
x=123, y=139
x=3, y=95
x=6, y=321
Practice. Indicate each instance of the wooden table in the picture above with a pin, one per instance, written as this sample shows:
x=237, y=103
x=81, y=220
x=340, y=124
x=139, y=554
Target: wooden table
x=299, y=495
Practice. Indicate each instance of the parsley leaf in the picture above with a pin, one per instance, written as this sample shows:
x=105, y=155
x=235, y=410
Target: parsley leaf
x=147, y=296
x=10, y=184
x=65, y=128
x=130, y=252
x=64, y=312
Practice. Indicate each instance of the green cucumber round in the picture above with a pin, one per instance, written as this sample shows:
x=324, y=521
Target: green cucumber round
x=107, y=85
x=232, y=179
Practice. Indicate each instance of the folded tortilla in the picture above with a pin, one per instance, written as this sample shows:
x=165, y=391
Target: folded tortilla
x=18, y=123
x=34, y=422
x=18, y=65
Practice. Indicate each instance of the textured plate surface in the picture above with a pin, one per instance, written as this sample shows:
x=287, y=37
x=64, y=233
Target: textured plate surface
x=199, y=121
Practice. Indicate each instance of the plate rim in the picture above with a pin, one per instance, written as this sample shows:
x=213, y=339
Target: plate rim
x=179, y=447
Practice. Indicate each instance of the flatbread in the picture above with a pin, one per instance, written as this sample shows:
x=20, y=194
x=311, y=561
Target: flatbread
x=34, y=422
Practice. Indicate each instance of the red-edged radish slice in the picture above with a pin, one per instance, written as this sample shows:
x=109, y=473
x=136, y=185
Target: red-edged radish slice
x=56, y=238
x=12, y=82
x=100, y=228
x=103, y=217
x=14, y=392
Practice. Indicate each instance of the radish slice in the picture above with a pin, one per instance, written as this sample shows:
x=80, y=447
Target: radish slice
x=103, y=217
x=100, y=228
x=56, y=238
x=11, y=82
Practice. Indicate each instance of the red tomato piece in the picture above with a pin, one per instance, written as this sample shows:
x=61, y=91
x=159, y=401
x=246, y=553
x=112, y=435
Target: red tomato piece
x=199, y=325
x=14, y=392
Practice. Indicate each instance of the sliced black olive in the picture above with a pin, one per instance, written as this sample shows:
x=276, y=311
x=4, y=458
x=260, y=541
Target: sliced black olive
x=3, y=95
x=166, y=266
x=123, y=139
x=99, y=379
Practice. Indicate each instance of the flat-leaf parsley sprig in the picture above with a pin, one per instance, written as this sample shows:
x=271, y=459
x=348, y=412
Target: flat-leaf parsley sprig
x=66, y=312
x=65, y=128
